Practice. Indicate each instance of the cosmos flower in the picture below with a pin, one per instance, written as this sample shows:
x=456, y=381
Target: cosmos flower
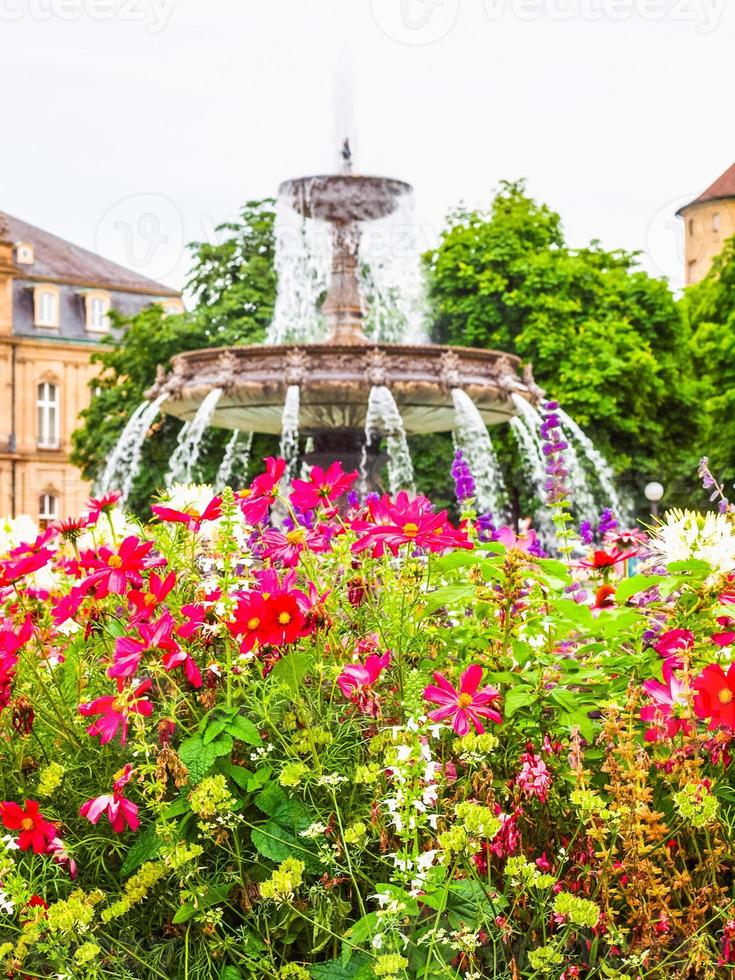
x=255, y=501
x=114, y=711
x=324, y=487
x=190, y=515
x=36, y=833
x=154, y=637
x=146, y=601
x=356, y=682
x=408, y=521
x=113, y=570
x=715, y=698
x=670, y=705
x=464, y=705
x=120, y=811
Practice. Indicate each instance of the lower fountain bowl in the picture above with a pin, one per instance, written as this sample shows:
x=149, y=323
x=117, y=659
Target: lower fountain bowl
x=335, y=382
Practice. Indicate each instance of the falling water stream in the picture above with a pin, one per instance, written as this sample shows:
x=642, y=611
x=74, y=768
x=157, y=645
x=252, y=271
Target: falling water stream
x=235, y=461
x=290, y=432
x=383, y=418
x=600, y=465
x=186, y=455
x=124, y=463
x=472, y=437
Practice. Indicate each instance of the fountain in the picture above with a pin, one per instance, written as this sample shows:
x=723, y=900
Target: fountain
x=339, y=392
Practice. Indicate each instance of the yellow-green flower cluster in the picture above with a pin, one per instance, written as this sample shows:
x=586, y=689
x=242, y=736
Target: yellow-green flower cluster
x=477, y=820
x=697, y=804
x=454, y=840
x=211, y=797
x=309, y=740
x=476, y=748
x=148, y=875
x=73, y=914
x=526, y=874
x=293, y=773
x=365, y=775
x=87, y=952
x=284, y=881
x=544, y=959
x=49, y=779
x=355, y=832
x=389, y=965
x=578, y=910
x=293, y=972
x=590, y=805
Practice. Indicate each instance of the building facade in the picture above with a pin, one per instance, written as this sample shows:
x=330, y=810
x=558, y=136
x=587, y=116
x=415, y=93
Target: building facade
x=55, y=300
x=709, y=220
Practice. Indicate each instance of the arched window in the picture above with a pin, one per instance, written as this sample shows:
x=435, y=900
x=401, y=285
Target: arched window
x=46, y=303
x=48, y=508
x=716, y=222
x=48, y=415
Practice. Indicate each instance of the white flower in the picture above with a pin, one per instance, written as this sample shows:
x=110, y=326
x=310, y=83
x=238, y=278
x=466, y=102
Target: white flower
x=15, y=531
x=100, y=533
x=6, y=903
x=686, y=534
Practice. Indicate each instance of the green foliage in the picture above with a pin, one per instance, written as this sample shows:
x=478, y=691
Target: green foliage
x=604, y=338
x=710, y=309
x=233, y=285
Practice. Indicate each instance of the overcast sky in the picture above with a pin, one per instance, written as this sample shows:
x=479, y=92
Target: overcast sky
x=133, y=126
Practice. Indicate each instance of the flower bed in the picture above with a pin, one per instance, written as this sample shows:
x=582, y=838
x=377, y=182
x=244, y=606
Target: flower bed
x=364, y=743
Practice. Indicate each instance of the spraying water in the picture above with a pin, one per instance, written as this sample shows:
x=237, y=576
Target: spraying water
x=189, y=444
x=384, y=418
x=600, y=465
x=124, y=462
x=290, y=432
x=472, y=437
x=235, y=462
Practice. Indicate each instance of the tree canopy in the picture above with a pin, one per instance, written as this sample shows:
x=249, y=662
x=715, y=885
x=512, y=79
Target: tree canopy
x=605, y=338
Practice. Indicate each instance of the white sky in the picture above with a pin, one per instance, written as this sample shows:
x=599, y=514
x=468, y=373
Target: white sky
x=133, y=126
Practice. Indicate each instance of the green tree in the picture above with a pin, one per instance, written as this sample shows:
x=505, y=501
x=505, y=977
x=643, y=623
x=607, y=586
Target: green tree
x=604, y=337
x=233, y=286
x=709, y=307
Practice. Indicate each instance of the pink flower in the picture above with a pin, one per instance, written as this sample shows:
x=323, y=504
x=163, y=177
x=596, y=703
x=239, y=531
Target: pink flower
x=528, y=542
x=670, y=706
x=534, y=779
x=408, y=521
x=147, y=600
x=464, y=705
x=119, y=810
x=153, y=636
x=356, y=680
x=669, y=643
x=113, y=570
x=115, y=709
x=255, y=502
x=323, y=487
x=191, y=516
x=103, y=504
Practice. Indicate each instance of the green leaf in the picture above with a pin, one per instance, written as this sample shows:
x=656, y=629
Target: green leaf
x=518, y=697
x=357, y=968
x=450, y=595
x=292, y=669
x=229, y=973
x=636, y=583
x=183, y=914
x=213, y=729
x=578, y=614
x=199, y=758
x=145, y=847
x=244, y=730
x=694, y=565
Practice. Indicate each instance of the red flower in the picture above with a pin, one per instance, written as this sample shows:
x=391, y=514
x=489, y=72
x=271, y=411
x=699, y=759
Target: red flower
x=10, y=643
x=356, y=680
x=114, y=570
x=255, y=502
x=120, y=811
x=274, y=615
x=605, y=560
x=114, y=711
x=103, y=504
x=323, y=487
x=670, y=706
x=716, y=696
x=249, y=617
x=36, y=833
x=464, y=705
x=191, y=516
x=71, y=527
x=727, y=637
x=146, y=601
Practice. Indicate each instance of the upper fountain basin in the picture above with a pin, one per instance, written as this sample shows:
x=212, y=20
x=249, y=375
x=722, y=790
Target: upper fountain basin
x=335, y=382
x=344, y=197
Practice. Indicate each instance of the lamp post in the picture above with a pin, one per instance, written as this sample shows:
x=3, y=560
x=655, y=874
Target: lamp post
x=653, y=492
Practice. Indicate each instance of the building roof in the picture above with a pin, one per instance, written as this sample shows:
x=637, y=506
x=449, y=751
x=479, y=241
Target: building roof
x=723, y=187
x=56, y=260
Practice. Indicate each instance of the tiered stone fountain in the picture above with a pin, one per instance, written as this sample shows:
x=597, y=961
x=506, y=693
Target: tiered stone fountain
x=335, y=378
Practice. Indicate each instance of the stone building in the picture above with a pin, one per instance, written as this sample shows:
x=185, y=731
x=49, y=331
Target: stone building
x=54, y=303
x=709, y=220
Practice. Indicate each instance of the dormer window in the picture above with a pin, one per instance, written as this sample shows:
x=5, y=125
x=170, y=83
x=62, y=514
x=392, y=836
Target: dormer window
x=46, y=306
x=24, y=253
x=98, y=309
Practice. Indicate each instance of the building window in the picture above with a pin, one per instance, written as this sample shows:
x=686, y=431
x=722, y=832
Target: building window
x=46, y=302
x=716, y=222
x=24, y=253
x=98, y=308
x=48, y=415
x=48, y=509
